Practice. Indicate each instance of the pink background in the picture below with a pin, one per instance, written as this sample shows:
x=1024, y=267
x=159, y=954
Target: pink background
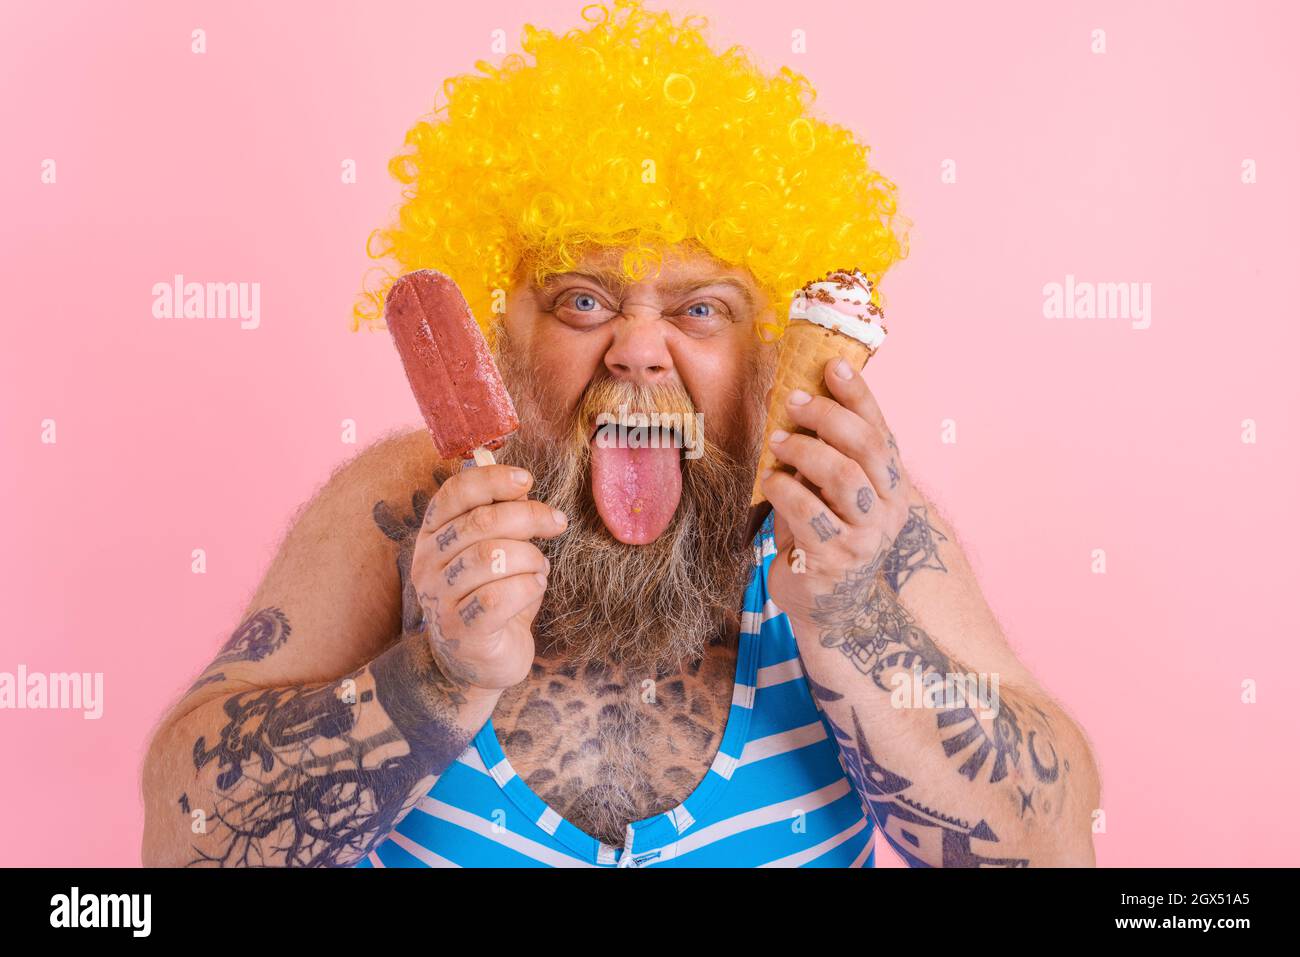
x=1072, y=434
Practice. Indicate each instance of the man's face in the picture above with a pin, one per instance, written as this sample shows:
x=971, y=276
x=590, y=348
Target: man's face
x=656, y=534
x=682, y=341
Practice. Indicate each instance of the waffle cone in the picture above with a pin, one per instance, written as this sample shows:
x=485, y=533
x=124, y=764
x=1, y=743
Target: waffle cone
x=801, y=361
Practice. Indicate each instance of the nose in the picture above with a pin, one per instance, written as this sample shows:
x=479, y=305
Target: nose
x=639, y=352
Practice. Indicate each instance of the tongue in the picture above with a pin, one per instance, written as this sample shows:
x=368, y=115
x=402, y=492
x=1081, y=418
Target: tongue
x=636, y=490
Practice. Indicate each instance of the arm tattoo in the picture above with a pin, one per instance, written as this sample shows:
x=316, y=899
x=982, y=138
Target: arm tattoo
x=294, y=778
x=259, y=636
x=921, y=835
x=915, y=548
x=863, y=618
x=865, y=621
x=207, y=680
x=297, y=784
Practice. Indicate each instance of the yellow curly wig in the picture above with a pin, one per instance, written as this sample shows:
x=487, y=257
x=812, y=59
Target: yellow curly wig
x=632, y=133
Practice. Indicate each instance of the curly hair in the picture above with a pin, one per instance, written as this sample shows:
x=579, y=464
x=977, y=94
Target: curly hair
x=632, y=133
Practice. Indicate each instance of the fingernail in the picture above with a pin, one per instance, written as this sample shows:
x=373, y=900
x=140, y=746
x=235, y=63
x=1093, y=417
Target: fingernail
x=560, y=517
x=541, y=580
x=519, y=476
x=766, y=473
x=844, y=370
x=799, y=397
x=779, y=435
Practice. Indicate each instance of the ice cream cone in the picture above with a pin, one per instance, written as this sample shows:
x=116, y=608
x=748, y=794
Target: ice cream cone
x=809, y=342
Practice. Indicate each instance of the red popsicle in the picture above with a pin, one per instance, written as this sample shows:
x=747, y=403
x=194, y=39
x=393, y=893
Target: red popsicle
x=449, y=366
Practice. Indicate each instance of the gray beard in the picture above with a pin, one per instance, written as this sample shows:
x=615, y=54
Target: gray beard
x=650, y=608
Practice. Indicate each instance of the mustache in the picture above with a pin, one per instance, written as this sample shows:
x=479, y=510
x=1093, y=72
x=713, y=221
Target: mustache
x=607, y=401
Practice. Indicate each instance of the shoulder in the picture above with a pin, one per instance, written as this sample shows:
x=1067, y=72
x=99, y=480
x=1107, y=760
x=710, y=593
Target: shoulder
x=345, y=531
x=393, y=469
x=394, y=460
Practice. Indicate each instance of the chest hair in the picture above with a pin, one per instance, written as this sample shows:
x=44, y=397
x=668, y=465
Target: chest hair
x=604, y=748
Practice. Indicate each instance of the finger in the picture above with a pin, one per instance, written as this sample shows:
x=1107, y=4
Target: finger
x=850, y=434
x=854, y=394
x=850, y=389
x=810, y=520
x=488, y=608
x=489, y=560
x=841, y=481
x=520, y=520
x=469, y=488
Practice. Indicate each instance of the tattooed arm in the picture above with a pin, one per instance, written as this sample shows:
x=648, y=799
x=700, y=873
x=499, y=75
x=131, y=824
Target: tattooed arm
x=307, y=775
x=326, y=716
x=959, y=753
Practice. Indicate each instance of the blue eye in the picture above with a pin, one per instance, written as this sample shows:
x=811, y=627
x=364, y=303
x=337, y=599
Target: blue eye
x=699, y=305
x=581, y=296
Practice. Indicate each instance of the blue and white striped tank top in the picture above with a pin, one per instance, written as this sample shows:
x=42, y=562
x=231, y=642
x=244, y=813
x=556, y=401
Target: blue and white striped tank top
x=775, y=796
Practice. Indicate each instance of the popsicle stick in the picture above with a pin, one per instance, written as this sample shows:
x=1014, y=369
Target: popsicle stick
x=484, y=457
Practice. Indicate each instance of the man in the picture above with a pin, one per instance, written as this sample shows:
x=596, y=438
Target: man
x=595, y=652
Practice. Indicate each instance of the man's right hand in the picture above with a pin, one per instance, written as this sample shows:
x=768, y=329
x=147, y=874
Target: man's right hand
x=478, y=577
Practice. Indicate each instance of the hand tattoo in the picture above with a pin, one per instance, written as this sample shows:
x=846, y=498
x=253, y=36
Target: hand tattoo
x=822, y=525
x=445, y=538
x=471, y=611
x=454, y=570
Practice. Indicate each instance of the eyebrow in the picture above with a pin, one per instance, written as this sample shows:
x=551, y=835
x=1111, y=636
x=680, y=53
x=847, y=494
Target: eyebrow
x=613, y=281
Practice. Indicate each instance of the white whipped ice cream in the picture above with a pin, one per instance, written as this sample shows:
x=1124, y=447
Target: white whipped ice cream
x=842, y=303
